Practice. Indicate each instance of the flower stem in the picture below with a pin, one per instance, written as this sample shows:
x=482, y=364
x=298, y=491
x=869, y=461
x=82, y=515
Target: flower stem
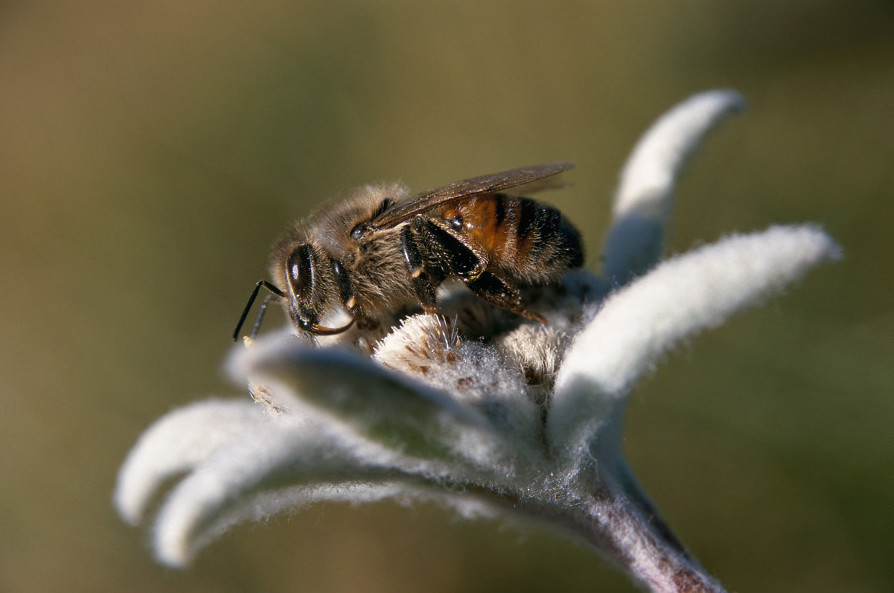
x=617, y=519
x=643, y=546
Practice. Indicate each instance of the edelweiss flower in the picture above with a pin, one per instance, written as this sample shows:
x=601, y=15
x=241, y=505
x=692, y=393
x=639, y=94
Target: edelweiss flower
x=524, y=423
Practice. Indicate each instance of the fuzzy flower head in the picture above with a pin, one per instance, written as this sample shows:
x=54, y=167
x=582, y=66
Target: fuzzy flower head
x=478, y=410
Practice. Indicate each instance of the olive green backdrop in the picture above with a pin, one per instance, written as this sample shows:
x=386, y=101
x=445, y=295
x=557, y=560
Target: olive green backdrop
x=151, y=152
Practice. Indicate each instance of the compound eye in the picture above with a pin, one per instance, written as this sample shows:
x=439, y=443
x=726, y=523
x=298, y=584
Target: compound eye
x=456, y=222
x=358, y=231
x=299, y=270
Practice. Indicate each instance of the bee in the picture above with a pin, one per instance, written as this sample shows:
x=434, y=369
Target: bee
x=382, y=249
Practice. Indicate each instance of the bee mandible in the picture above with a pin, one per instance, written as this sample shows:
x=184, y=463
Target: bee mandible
x=381, y=249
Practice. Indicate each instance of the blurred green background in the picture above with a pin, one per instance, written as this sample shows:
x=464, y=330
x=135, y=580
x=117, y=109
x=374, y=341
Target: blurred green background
x=150, y=153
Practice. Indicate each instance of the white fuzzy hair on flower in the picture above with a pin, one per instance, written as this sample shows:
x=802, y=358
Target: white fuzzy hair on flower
x=526, y=423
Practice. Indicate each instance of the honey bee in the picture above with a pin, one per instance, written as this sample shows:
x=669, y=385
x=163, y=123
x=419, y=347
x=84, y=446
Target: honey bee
x=382, y=249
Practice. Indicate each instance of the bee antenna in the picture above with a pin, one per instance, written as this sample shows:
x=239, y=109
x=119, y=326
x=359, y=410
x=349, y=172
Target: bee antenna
x=251, y=299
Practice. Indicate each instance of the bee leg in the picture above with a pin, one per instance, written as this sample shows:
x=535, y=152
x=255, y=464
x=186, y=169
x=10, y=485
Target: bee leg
x=496, y=291
x=423, y=236
x=345, y=289
x=419, y=276
x=443, y=246
x=348, y=301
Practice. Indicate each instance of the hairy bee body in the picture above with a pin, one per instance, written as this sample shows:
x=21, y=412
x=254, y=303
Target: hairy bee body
x=381, y=249
x=375, y=266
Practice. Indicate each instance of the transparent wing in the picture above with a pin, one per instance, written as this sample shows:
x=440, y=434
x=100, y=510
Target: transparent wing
x=459, y=190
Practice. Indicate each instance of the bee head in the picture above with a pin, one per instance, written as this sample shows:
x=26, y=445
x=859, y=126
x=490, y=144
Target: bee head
x=310, y=287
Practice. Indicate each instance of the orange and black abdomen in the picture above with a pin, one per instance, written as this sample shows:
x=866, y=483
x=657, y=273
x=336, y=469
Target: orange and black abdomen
x=520, y=238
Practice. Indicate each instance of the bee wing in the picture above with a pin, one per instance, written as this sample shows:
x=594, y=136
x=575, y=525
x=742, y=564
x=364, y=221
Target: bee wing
x=464, y=189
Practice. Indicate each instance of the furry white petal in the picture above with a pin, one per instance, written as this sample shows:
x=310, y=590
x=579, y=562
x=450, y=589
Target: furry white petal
x=176, y=543
x=645, y=194
x=245, y=479
x=382, y=405
x=178, y=442
x=637, y=324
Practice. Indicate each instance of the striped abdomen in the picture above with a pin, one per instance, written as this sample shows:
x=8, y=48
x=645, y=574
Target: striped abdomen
x=519, y=237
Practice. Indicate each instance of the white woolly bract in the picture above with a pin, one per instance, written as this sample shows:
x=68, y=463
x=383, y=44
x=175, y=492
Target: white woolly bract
x=645, y=194
x=277, y=466
x=652, y=168
x=379, y=404
x=177, y=538
x=177, y=549
x=640, y=322
x=178, y=442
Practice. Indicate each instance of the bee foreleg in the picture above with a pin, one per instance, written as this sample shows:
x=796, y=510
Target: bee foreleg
x=347, y=298
x=345, y=289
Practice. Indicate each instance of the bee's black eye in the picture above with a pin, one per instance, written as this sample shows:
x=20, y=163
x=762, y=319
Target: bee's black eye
x=456, y=222
x=358, y=231
x=300, y=271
